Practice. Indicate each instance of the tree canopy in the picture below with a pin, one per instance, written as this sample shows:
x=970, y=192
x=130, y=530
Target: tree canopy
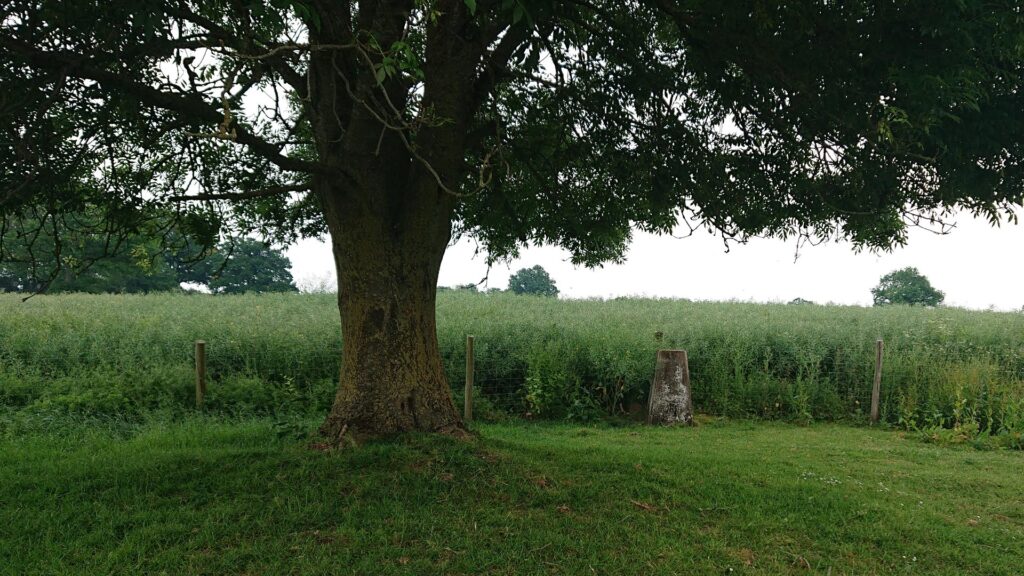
x=582, y=119
x=394, y=125
x=534, y=281
x=906, y=286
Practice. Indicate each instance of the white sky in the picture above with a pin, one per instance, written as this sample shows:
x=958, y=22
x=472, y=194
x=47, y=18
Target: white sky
x=976, y=265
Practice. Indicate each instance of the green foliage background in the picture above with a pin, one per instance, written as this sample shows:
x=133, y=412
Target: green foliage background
x=127, y=356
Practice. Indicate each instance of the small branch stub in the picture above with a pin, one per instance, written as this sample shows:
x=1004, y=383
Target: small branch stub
x=670, y=401
x=876, y=390
x=200, y=372
x=468, y=405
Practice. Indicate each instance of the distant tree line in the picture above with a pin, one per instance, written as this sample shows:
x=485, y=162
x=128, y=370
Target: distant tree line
x=534, y=281
x=906, y=286
x=139, y=264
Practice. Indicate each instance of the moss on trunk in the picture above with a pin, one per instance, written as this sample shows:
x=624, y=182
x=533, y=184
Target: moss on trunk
x=388, y=256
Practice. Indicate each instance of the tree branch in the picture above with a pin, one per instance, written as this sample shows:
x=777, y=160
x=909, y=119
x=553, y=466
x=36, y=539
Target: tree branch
x=249, y=194
x=215, y=31
x=188, y=105
x=496, y=65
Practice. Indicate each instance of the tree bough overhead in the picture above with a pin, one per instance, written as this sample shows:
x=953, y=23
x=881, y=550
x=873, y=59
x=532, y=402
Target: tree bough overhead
x=394, y=125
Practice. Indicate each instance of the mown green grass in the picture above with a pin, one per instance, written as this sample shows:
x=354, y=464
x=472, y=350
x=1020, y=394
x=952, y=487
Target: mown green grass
x=269, y=354
x=213, y=497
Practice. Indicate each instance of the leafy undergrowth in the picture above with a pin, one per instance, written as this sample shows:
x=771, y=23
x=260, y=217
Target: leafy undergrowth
x=214, y=497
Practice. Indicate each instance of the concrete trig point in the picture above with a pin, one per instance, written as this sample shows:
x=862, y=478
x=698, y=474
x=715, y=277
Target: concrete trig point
x=670, y=401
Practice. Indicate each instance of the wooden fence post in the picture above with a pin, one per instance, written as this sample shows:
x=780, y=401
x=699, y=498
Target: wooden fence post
x=200, y=372
x=876, y=390
x=468, y=405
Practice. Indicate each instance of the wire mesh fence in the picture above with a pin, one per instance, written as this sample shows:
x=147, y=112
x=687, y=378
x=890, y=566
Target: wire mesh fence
x=842, y=387
x=498, y=393
x=914, y=388
x=541, y=360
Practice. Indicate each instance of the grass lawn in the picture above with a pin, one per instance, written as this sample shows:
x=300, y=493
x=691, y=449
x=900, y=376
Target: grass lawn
x=209, y=497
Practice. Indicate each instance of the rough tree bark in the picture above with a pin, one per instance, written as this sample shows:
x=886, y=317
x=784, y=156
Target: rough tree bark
x=391, y=379
x=389, y=211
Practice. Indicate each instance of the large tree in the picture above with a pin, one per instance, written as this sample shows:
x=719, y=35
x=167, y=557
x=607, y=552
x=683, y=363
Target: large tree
x=391, y=125
x=241, y=265
x=906, y=286
x=535, y=280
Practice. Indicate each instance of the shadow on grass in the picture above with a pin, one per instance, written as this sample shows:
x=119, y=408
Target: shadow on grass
x=213, y=498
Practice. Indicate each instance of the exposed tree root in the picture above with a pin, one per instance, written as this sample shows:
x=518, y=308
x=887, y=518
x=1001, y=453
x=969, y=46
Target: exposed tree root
x=347, y=438
x=457, y=431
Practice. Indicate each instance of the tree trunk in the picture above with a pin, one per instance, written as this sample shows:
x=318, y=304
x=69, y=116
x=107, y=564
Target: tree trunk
x=390, y=216
x=388, y=255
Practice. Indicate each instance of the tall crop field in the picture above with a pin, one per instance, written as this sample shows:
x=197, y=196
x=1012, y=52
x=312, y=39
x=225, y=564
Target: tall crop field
x=580, y=359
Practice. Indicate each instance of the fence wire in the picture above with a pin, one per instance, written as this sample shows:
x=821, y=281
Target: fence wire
x=936, y=388
x=940, y=381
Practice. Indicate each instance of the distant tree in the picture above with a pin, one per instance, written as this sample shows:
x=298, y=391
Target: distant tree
x=149, y=259
x=533, y=281
x=242, y=265
x=129, y=273
x=81, y=261
x=906, y=286
x=800, y=301
x=141, y=264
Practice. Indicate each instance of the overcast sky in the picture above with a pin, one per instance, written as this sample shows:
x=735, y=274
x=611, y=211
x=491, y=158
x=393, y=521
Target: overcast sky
x=976, y=265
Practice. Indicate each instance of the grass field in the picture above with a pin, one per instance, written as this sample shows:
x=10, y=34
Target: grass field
x=208, y=496
x=126, y=356
x=105, y=468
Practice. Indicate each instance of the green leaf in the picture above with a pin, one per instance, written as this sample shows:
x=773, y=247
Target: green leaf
x=471, y=5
